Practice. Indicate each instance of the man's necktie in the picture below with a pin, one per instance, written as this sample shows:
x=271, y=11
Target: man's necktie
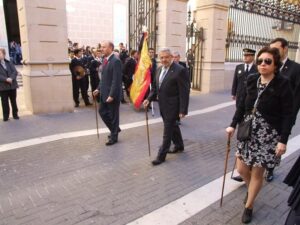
x=162, y=76
x=105, y=61
x=247, y=69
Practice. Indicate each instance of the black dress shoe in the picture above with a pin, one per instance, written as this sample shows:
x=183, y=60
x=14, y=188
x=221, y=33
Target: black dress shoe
x=109, y=136
x=16, y=117
x=238, y=179
x=269, y=175
x=88, y=104
x=5, y=119
x=111, y=142
x=157, y=161
x=176, y=150
x=247, y=215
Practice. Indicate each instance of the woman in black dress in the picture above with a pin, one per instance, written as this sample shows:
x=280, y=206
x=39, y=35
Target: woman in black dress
x=271, y=96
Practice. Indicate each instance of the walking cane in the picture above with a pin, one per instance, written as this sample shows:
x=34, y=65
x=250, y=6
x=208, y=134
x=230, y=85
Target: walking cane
x=147, y=127
x=225, y=169
x=95, y=104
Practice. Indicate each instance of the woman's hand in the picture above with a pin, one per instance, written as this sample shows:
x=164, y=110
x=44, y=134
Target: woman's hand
x=280, y=149
x=230, y=131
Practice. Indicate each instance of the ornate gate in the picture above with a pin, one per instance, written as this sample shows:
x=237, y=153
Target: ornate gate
x=195, y=39
x=142, y=13
x=254, y=23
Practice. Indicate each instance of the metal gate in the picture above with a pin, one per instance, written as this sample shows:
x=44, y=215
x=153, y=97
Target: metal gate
x=195, y=39
x=142, y=13
x=253, y=24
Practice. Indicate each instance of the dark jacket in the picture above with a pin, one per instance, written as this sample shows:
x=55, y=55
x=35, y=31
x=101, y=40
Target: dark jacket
x=94, y=66
x=239, y=80
x=173, y=95
x=74, y=63
x=10, y=72
x=129, y=68
x=275, y=104
x=111, y=79
x=291, y=70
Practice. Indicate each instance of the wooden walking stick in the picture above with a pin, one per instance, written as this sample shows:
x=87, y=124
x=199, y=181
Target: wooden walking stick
x=95, y=104
x=147, y=127
x=225, y=168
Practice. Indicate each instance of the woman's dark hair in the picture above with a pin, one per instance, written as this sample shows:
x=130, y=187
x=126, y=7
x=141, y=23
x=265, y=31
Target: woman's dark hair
x=276, y=56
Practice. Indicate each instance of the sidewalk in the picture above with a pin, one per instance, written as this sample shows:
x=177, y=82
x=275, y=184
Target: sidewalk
x=82, y=181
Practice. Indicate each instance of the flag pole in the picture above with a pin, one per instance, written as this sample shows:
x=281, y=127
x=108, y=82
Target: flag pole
x=225, y=168
x=147, y=127
x=95, y=104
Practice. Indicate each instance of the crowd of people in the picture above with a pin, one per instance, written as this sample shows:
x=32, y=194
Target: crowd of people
x=266, y=88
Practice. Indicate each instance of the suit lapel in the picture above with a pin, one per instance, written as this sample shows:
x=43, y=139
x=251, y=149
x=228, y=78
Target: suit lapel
x=170, y=71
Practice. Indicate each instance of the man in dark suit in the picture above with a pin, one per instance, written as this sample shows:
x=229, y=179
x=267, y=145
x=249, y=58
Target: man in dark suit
x=290, y=70
x=129, y=69
x=78, y=78
x=176, y=57
x=241, y=73
x=8, y=86
x=94, y=68
x=171, y=87
x=110, y=88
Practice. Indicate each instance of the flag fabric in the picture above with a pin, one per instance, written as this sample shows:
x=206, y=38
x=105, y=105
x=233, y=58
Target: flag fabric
x=142, y=75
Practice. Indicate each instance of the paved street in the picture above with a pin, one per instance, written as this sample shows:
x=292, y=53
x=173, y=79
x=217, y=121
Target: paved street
x=80, y=181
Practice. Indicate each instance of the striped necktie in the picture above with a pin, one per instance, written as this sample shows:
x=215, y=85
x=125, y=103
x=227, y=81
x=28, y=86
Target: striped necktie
x=162, y=76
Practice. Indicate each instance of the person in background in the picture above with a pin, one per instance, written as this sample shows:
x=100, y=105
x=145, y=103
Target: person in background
x=8, y=87
x=129, y=69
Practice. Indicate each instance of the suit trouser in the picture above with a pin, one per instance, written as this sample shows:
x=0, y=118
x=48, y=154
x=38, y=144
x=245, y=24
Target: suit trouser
x=109, y=113
x=171, y=133
x=12, y=96
x=80, y=84
x=94, y=81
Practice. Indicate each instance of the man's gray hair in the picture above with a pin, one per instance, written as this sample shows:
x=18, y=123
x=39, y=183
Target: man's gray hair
x=176, y=53
x=167, y=50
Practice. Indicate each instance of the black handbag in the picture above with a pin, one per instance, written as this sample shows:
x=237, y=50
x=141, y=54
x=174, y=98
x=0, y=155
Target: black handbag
x=244, y=130
x=245, y=127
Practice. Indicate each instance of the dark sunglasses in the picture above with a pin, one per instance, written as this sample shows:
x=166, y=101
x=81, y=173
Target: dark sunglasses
x=267, y=61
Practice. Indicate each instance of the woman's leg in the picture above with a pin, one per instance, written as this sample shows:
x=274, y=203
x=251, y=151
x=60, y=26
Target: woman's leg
x=244, y=171
x=255, y=185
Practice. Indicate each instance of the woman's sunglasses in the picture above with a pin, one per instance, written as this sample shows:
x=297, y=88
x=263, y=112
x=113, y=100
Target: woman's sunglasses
x=267, y=61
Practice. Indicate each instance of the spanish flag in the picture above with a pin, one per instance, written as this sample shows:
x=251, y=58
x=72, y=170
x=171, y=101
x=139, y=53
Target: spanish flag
x=142, y=75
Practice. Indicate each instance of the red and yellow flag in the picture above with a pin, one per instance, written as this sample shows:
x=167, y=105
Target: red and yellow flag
x=142, y=75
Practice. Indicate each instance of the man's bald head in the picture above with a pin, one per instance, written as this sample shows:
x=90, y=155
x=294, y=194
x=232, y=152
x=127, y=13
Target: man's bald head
x=107, y=48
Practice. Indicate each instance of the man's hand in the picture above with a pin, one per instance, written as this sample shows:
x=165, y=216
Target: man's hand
x=146, y=103
x=78, y=77
x=95, y=93
x=9, y=80
x=233, y=97
x=109, y=99
x=181, y=115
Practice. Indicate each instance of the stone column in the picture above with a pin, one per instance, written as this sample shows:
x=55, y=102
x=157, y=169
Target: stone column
x=212, y=16
x=3, y=32
x=171, y=22
x=46, y=76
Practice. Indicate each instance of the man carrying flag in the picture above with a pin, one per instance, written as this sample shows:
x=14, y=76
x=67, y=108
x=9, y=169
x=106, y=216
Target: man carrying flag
x=171, y=87
x=142, y=75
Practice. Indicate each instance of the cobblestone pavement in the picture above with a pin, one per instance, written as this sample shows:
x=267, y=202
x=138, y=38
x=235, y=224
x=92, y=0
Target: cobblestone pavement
x=81, y=181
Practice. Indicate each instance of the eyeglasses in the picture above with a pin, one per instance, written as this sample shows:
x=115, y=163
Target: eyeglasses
x=267, y=61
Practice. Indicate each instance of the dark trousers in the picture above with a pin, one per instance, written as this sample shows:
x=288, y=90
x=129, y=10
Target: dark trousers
x=172, y=133
x=80, y=84
x=94, y=81
x=109, y=113
x=12, y=96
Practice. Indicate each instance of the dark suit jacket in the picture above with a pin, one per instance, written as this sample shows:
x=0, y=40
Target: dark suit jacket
x=239, y=80
x=10, y=72
x=173, y=95
x=275, y=104
x=291, y=70
x=111, y=79
x=75, y=62
x=129, y=68
x=94, y=66
x=182, y=64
